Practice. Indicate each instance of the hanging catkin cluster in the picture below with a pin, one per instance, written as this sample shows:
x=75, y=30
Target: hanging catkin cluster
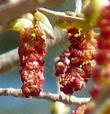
x=32, y=51
x=101, y=74
x=74, y=66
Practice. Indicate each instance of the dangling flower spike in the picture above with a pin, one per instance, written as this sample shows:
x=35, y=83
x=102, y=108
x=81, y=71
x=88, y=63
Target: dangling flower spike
x=101, y=73
x=32, y=51
x=75, y=65
x=34, y=29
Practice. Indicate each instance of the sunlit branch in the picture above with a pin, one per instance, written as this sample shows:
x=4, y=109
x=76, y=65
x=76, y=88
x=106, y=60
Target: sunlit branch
x=47, y=96
x=61, y=16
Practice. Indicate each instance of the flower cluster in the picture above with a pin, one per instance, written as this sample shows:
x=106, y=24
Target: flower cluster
x=32, y=51
x=101, y=73
x=74, y=66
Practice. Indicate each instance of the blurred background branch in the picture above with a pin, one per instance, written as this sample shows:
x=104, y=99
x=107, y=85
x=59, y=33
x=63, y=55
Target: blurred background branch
x=9, y=60
x=15, y=8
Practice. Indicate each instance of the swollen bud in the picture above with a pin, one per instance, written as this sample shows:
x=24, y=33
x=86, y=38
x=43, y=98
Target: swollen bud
x=43, y=19
x=46, y=25
x=20, y=24
x=59, y=108
x=28, y=16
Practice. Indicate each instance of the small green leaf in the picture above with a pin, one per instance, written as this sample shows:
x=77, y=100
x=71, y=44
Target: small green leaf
x=42, y=18
x=59, y=108
x=20, y=24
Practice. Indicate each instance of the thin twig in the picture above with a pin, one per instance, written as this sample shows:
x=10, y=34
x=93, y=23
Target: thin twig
x=61, y=16
x=45, y=95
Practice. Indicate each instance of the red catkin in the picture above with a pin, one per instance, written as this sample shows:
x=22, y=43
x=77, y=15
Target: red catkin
x=32, y=51
x=101, y=72
x=75, y=65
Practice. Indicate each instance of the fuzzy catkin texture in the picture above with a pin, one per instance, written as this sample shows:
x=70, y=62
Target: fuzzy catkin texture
x=74, y=66
x=101, y=73
x=32, y=51
x=102, y=70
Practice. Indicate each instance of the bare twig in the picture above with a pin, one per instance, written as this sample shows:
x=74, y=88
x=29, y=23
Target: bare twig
x=10, y=11
x=47, y=96
x=61, y=15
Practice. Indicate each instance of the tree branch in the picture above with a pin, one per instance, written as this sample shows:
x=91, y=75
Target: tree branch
x=61, y=16
x=47, y=96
